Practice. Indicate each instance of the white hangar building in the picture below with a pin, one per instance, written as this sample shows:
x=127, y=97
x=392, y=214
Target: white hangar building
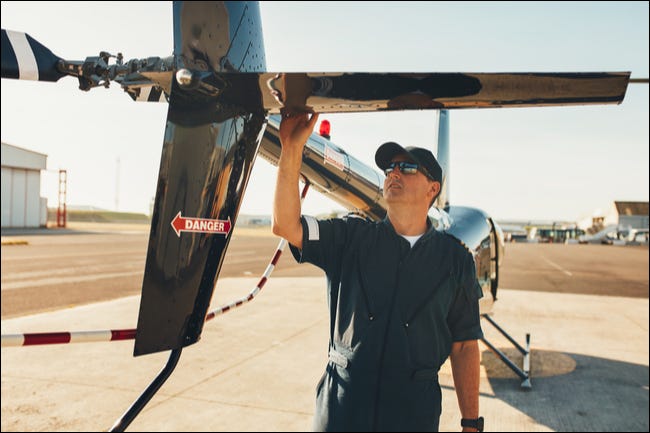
x=22, y=204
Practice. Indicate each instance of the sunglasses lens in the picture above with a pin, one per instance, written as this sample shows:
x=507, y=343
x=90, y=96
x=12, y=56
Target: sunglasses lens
x=409, y=168
x=404, y=167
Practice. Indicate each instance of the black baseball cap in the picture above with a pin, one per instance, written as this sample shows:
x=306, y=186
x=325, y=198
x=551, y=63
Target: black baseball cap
x=423, y=157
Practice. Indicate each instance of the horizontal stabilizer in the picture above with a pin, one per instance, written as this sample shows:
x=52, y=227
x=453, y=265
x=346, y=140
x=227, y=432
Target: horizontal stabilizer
x=24, y=58
x=353, y=92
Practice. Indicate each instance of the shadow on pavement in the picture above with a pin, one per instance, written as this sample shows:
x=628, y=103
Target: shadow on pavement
x=574, y=392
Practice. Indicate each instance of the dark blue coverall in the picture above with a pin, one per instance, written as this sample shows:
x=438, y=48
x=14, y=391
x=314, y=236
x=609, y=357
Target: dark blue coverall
x=394, y=313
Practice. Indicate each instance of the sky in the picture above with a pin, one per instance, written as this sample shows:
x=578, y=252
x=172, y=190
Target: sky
x=564, y=163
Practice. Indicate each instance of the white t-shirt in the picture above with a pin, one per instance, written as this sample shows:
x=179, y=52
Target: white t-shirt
x=412, y=239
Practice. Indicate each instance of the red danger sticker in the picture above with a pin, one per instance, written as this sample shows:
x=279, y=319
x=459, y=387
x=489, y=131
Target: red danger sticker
x=200, y=225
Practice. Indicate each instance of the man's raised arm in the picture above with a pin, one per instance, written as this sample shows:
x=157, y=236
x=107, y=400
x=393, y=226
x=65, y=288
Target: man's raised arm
x=295, y=129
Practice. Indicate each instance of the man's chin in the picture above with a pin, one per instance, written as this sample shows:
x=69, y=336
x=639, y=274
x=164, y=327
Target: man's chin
x=392, y=198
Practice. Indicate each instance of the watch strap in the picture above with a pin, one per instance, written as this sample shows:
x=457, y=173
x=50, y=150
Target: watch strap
x=476, y=423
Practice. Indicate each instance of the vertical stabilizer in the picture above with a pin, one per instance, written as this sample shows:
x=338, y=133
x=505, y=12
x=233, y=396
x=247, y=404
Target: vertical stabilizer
x=443, y=158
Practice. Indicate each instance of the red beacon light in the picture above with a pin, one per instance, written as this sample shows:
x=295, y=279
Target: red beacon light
x=324, y=130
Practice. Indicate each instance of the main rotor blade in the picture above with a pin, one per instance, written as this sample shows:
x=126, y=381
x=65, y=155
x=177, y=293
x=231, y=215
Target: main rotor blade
x=351, y=92
x=24, y=58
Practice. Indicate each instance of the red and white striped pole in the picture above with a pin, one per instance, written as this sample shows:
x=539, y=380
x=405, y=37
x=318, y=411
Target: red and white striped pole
x=66, y=337
x=35, y=339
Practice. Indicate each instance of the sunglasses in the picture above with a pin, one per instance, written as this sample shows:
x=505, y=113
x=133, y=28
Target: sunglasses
x=404, y=167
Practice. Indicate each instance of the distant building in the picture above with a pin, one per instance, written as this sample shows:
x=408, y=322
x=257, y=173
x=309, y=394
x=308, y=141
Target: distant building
x=624, y=214
x=632, y=214
x=22, y=204
x=539, y=231
x=253, y=220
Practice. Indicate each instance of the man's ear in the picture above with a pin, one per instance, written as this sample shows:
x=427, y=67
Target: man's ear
x=435, y=187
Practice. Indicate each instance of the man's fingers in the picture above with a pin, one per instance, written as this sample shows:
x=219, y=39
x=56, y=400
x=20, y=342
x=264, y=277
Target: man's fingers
x=297, y=123
x=313, y=120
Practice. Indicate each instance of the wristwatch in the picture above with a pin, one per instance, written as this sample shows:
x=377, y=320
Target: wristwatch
x=476, y=423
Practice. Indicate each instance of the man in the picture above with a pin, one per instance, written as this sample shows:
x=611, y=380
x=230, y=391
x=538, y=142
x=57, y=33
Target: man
x=402, y=297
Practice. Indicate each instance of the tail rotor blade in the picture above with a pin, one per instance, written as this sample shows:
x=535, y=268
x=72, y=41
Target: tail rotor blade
x=206, y=161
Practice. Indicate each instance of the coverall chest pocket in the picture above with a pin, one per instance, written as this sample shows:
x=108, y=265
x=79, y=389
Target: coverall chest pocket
x=354, y=312
x=426, y=325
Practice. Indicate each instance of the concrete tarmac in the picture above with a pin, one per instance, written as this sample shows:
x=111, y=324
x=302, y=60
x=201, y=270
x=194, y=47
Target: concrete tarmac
x=256, y=367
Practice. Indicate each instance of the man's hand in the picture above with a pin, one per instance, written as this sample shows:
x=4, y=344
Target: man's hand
x=295, y=129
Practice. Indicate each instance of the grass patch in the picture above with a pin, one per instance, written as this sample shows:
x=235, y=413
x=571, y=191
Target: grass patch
x=101, y=216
